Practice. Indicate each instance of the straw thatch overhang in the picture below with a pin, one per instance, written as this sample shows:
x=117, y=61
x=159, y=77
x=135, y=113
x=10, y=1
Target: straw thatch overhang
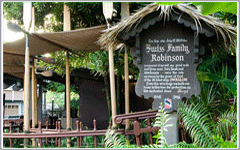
x=184, y=14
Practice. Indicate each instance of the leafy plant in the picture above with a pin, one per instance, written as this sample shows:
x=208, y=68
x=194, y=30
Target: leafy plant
x=208, y=8
x=196, y=121
x=161, y=121
x=113, y=139
x=205, y=76
x=226, y=121
x=203, y=130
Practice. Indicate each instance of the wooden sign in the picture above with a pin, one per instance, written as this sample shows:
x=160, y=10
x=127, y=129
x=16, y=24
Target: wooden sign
x=167, y=56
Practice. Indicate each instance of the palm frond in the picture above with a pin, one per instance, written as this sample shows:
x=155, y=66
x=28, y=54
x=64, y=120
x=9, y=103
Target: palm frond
x=226, y=121
x=196, y=121
x=113, y=139
x=184, y=145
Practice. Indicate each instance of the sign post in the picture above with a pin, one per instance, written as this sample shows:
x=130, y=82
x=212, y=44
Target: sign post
x=167, y=64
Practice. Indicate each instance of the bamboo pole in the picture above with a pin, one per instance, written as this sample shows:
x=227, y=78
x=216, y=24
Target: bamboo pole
x=34, y=101
x=26, y=92
x=68, y=100
x=27, y=22
x=34, y=85
x=107, y=12
x=126, y=74
x=66, y=27
x=125, y=15
x=66, y=18
x=112, y=85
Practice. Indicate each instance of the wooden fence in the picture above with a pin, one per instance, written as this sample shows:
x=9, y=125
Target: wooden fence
x=58, y=133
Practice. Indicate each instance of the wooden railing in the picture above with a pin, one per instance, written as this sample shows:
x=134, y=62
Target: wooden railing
x=59, y=133
x=136, y=118
x=14, y=124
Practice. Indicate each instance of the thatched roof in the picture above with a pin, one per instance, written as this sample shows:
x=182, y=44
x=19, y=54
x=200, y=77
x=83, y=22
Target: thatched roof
x=225, y=33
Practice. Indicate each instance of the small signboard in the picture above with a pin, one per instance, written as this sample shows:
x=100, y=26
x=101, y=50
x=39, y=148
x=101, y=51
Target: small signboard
x=167, y=103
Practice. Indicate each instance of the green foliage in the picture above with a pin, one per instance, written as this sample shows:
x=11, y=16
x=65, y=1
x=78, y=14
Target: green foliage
x=227, y=17
x=207, y=8
x=13, y=10
x=226, y=121
x=58, y=87
x=57, y=91
x=224, y=143
x=198, y=123
x=113, y=139
x=210, y=77
x=99, y=61
x=219, y=72
x=184, y=145
x=86, y=14
x=44, y=8
x=161, y=121
x=203, y=130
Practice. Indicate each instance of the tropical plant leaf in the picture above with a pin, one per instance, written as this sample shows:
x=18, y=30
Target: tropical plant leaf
x=226, y=122
x=207, y=8
x=210, y=77
x=196, y=121
x=113, y=139
x=184, y=145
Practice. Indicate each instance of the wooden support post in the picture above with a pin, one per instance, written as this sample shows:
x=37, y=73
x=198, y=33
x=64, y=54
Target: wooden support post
x=26, y=92
x=126, y=74
x=66, y=27
x=68, y=100
x=112, y=86
x=66, y=18
x=27, y=18
x=125, y=15
x=34, y=101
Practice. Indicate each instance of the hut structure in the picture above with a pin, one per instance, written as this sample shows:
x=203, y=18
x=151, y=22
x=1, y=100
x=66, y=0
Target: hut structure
x=207, y=29
x=204, y=34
